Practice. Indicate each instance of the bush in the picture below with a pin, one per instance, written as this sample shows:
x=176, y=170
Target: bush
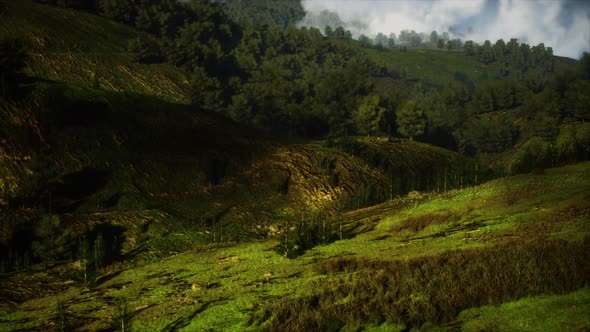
x=535, y=153
x=54, y=240
x=422, y=221
x=145, y=50
x=566, y=145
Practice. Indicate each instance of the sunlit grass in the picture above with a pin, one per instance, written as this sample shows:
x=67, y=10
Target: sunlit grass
x=223, y=286
x=568, y=312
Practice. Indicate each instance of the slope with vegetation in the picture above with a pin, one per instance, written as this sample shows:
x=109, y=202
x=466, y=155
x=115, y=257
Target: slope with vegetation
x=415, y=261
x=99, y=145
x=165, y=167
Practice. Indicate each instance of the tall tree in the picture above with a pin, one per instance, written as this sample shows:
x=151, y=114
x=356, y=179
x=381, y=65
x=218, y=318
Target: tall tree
x=411, y=120
x=381, y=40
x=368, y=115
x=469, y=47
x=433, y=37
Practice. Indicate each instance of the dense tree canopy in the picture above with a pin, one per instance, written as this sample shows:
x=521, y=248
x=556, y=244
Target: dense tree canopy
x=249, y=61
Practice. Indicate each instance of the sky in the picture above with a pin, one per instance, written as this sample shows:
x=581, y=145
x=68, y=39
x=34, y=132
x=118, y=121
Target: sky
x=563, y=25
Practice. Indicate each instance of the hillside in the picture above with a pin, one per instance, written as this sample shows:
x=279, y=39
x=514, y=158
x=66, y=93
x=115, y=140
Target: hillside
x=87, y=50
x=288, y=186
x=431, y=245
x=437, y=68
x=102, y=137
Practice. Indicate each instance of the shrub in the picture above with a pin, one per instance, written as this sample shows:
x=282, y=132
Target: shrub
x=422, y=221
x=566, y=145
x=145, y=50
x=535, y=153
x=54, y=240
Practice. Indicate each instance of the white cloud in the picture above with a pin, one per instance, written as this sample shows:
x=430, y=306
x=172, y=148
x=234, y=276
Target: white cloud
x=533, y=22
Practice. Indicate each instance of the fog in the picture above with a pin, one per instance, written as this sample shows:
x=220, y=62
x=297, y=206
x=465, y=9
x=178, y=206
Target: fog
x=563, y=25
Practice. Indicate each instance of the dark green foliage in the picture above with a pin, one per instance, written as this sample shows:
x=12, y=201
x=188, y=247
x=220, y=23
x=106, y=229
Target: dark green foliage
x=162, y=18
x=54, y=241
x=544, y=126
x=340, y=33
x=411, y=120
x=365, y=41
x=573, y=143
x=454, y=44
x=566, y=145
x=123, y=11
x=431, y=289
x=583, y=141
x=486, y=134
x=469, y=47
x=282, y=13
x=204, y=42
x=368, y=115
x=577, y=99
x=206, y=91
x=514, y=57
x=535, y=153
x=12, y=62
x=585, y=64
x=303, y=231
x=145, y=50
x=296, y=82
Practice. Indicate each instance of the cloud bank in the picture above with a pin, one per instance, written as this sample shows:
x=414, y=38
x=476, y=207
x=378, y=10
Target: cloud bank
x=563, y=25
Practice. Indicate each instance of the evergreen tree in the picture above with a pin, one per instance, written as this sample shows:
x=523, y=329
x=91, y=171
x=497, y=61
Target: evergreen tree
x=328, y=31
x=145, y=50
x=411, y=120
x=469, y=47
x=368, y=115
x=434, y=37
x=53, y=239
x=535, y=153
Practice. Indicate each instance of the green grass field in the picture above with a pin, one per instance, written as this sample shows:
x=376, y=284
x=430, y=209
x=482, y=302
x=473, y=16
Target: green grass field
x=501, y=255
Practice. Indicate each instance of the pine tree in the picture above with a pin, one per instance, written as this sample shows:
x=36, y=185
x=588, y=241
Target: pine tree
x=368, y=115
x=411, y=120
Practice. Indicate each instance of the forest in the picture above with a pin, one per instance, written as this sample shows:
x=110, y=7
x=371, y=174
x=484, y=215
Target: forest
x=226, y=165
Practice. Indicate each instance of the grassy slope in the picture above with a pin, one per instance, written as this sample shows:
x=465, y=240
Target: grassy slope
x=436, y=68
x=222, y=287
x=159, y=163
x=432, y=67
x=88, y=50
x=157, y=155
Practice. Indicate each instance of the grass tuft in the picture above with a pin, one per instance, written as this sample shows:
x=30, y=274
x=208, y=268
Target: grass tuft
x=420, y=222
x=431, y=289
